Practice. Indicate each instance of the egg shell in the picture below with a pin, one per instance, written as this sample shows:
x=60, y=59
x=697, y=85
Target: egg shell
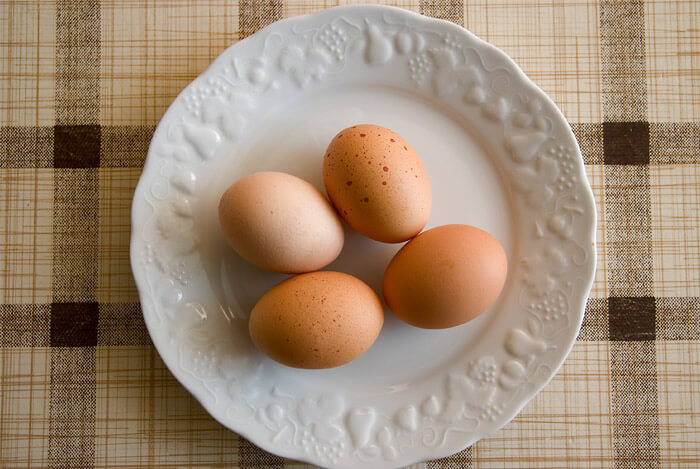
x=377, y=183
x=445, y=276
x=281, y=223
x=317, y=320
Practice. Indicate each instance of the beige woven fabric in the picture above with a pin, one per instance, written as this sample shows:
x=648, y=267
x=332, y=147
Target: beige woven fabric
x=82, y=85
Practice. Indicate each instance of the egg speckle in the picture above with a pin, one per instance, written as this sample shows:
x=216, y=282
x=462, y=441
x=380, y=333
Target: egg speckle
x=317, y=320
x=445, y=276
x=382, y=191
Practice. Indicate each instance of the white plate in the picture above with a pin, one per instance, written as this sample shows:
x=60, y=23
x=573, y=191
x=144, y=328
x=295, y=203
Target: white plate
x=499, y=155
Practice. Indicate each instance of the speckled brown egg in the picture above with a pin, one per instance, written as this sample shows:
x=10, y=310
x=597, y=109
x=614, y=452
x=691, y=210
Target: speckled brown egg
x=377, y=183
x=317, y=320
x=445, y=276
x=281, y=223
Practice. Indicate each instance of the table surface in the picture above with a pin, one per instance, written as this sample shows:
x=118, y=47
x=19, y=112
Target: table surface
x=82, y=85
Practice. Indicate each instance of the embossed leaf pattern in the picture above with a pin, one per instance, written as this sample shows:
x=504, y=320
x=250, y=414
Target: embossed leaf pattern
x=475, y=94
x=526, y=180
x=531, y=115
x=304, y=65
x=243, y=375
x=449, y=73
x=444, y=80
x=232, y=125
x=497, y=109
x=204, y=140
x=275, y=418
x=561, y=222
x=523, y=147
x=463, y=393
x=555, y=260
x=542, y=270
x=444, y=58
x=229, y=115
x=535, y=183
x=321, y=414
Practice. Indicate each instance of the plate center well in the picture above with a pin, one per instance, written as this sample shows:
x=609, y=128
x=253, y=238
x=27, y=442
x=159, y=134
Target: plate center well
x=466, y=188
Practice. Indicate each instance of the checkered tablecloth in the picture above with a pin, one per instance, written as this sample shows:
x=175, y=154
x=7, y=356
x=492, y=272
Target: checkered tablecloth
x=82, y=85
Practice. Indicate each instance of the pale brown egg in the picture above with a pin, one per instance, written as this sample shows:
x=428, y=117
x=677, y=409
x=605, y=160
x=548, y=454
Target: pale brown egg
x=280, y=223
x=377, y=183
x=317, y=320
x=445, y=276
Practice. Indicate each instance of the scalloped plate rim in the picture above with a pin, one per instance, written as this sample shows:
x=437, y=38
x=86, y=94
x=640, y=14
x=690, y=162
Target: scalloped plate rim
x=513, y=67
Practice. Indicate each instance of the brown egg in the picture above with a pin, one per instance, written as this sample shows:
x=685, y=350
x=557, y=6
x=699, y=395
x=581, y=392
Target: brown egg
x=445, y=276
x=280, y=223
x=317, y=320
x=377, y=183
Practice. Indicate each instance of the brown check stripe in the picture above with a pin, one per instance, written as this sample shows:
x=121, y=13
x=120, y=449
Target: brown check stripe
x=82, y=86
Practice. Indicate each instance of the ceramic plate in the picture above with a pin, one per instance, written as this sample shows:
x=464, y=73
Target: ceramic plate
x=499, y=155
